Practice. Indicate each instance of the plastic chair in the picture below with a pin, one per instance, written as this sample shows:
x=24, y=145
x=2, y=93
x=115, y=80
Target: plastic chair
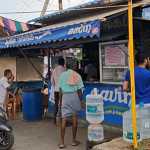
x=11, y=107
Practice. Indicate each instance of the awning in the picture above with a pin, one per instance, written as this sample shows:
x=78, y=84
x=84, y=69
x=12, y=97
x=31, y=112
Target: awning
x=83, y=30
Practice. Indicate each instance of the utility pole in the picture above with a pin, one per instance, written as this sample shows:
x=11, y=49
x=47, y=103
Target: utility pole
x=60, y=4
x=131, y=64
x=44, y=8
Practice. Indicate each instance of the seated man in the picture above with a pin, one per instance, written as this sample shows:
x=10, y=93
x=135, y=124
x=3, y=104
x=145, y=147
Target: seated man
x=5, y=83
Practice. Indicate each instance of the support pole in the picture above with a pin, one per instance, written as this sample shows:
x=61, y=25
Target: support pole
x=60, y=4
x=49, y=69
x=131, y=64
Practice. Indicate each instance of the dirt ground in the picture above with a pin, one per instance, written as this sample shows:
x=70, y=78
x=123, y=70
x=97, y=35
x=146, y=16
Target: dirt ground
x=43, y=136
x=120, y=144
x=116, y=144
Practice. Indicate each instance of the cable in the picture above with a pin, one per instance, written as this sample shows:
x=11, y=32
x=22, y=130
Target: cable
x=91, y=8
x=69, y=9
x=44, y=9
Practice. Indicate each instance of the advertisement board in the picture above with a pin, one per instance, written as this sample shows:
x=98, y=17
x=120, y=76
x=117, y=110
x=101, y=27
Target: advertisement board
x=116, y=101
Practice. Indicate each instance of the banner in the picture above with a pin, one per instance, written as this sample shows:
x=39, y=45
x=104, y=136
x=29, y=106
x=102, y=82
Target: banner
x=83, y=30
x=116, y=102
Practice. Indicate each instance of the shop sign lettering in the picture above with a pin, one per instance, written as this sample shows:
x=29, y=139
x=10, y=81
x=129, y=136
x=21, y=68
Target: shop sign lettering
x=26, y=37
x=116, y=96
x=81, y=29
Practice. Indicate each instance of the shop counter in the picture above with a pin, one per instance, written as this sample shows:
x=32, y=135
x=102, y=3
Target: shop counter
x=115, y=101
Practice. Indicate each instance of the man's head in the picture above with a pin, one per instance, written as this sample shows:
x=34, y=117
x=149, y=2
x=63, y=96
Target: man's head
x=71, y=65
x=61, y=61
x=8, y=74
x=144, y=60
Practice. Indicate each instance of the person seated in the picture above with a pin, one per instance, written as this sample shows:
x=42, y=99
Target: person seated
x=5, y=83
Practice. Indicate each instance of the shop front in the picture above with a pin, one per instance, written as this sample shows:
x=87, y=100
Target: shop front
x=103, y=43
x=85, y=36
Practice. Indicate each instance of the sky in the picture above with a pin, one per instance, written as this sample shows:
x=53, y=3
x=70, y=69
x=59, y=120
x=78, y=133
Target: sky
x=31, y=5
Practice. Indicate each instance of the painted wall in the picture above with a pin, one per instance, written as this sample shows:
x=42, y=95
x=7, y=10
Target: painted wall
x=22, y=70
x=25, y=72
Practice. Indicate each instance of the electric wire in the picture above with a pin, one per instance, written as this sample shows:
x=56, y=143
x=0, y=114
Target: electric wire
x=74, y=9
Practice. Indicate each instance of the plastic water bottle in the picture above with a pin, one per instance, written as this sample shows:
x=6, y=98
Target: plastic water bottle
x=95, y=133
x=94, y=108
x=127, y=126
x=145, y=121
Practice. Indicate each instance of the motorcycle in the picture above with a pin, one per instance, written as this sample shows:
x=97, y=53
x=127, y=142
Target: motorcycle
x=6, y=132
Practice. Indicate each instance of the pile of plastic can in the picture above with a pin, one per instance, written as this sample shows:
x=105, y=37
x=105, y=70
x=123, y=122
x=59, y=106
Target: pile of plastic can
x=95, y=116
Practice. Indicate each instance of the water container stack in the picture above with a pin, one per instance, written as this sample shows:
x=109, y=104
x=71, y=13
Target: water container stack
x=143, y=124
x=95, y=116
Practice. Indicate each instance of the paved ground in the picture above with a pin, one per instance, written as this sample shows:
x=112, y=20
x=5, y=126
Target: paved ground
x=42, y=136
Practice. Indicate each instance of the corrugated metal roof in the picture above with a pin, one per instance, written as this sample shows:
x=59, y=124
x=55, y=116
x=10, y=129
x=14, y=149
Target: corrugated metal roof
x=76, y=10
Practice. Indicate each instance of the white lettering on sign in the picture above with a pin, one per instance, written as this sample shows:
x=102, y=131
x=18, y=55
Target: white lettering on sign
x=26, y=37
x=81, y=29
x=116, y=96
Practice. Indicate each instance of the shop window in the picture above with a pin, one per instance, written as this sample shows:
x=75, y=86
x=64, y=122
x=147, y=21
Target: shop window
x=113, y=61
x=146, y=13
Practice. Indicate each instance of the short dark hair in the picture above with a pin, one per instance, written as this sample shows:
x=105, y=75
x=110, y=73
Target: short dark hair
x=140, y=57
x=61, y=61
x=6, y=72
x=71, y=65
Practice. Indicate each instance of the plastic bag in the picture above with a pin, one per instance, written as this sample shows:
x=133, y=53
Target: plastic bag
x=51, y=94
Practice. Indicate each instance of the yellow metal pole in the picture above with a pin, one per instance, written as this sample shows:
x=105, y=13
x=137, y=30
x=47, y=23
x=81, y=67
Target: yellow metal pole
x=131, y=64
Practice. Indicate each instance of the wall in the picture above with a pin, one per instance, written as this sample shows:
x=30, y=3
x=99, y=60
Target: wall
x=22, y=70
x=25, y=71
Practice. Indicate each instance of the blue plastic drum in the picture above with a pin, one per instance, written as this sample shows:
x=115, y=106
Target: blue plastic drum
x=32, y=105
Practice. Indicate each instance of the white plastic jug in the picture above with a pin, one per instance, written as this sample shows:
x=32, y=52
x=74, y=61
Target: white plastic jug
x=94, y=109
x=127, y=126
x=95, y=133
x=143, y=124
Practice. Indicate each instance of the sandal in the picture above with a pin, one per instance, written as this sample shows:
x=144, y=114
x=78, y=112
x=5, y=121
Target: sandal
x=76, y=143
x=62, y=146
